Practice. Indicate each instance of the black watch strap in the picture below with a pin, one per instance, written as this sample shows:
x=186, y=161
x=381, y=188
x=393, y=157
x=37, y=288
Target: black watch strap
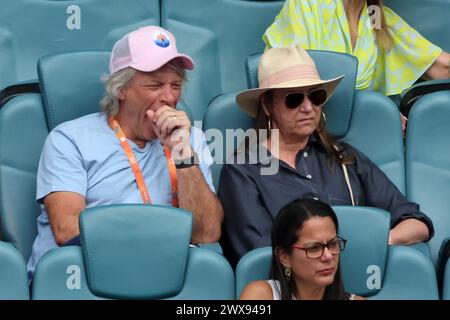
x=187, y=163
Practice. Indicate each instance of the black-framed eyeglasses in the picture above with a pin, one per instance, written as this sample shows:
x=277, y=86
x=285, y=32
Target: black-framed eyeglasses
x=335, y=246
x=294, y=99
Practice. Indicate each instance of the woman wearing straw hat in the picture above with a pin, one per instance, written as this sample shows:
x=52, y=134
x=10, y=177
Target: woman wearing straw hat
x=311, y=163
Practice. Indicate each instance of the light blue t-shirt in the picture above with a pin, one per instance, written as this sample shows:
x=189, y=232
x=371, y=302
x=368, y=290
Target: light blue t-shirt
x=85, y=156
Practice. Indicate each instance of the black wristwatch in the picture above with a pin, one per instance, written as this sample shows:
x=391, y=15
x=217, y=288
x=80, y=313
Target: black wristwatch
x=187, y=163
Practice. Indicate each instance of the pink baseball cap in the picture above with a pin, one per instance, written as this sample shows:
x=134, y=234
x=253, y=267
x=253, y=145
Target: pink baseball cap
x=146, y=49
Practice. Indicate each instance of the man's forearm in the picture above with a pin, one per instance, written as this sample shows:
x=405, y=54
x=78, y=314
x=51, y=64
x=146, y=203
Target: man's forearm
x=195, y=195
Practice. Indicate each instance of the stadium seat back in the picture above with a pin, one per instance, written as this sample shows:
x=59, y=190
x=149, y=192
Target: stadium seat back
x=428, y=162
x=71, y=84
x=117, y=241
x=13, y=274
x=61, y=275
x=133, y=252
x=23, y=130
x=255, y=265
x=218, y=35
x=409, y=275
x=412, y=94
x=375, y=122
x=222, y=117
x=367, y=231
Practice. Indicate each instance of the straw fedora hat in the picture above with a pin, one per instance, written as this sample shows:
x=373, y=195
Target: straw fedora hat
x=284, y=68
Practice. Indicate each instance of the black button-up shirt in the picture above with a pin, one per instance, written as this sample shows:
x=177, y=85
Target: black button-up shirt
x=251, y=200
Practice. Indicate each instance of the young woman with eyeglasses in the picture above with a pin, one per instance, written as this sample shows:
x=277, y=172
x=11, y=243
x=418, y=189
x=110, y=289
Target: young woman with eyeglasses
x=305, y=256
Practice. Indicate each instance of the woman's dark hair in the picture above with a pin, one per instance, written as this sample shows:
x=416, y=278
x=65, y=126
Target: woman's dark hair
x=335, y=151
x=288, y=222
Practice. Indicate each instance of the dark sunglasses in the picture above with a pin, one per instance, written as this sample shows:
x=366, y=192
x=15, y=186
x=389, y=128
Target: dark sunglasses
x=294, y=99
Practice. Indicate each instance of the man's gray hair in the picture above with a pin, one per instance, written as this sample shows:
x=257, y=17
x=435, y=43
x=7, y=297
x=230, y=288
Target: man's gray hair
x=121, y=79
x=113, y=84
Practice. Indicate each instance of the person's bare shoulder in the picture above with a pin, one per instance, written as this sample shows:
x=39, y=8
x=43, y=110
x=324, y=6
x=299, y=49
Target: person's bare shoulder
x=257, y=290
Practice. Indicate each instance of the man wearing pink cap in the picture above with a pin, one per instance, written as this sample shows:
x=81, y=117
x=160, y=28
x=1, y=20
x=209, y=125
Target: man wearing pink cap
x=141, y=149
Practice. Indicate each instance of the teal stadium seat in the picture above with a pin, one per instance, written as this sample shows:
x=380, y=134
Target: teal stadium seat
x=153, y=261
x=369, y=266
x=254, y=265
x=32, y=29
x=428, y=162
x=429, y=17
x=353, y=116
x=218, y=35
x=13, y=274
x=71, y=88
x=23, y=129
x=71, y=84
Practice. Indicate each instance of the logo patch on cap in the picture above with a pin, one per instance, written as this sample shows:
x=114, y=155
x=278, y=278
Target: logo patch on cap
x=161, y=39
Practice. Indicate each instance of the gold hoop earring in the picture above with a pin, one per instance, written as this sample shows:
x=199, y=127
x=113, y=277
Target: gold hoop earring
x=287, y=272
x=324, y=117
